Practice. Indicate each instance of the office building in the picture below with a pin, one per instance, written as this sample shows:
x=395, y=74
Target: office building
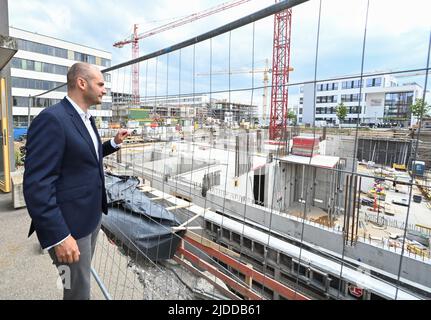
x=41, y=64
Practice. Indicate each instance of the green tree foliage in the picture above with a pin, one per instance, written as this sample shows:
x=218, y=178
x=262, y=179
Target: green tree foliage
x=419, y=108
x=292, y=117
x=341, y=111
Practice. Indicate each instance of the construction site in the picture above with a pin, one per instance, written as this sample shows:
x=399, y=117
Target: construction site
x=220, y=197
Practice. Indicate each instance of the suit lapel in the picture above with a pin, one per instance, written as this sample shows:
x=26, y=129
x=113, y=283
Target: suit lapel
x=80, y=126
x=77, y=121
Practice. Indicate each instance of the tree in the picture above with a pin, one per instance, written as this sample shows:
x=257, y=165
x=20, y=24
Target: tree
x=341, y=111
x=419, y=108
x=292, y=117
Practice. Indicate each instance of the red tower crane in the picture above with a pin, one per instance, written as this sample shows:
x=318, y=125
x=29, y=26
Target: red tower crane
x=280, y=75
x=135, y=37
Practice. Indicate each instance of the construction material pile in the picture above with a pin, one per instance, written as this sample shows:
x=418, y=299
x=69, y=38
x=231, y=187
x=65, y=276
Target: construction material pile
x=305, y=146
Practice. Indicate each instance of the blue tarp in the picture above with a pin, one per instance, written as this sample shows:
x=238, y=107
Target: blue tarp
x=19, y=132
x=137, y=222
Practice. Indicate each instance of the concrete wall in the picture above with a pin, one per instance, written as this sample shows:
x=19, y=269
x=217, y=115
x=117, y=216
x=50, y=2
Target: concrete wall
x=343, y=147
x=5, y=73
x=384, y=151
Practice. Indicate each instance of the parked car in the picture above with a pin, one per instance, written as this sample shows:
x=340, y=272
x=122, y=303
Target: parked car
x=367, y=202
x=401, y=202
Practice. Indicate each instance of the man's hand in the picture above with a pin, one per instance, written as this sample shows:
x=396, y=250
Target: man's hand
x=67, y=251
x=121, y=135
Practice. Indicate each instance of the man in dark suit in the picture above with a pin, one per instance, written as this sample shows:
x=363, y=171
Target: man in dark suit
x=64, y=185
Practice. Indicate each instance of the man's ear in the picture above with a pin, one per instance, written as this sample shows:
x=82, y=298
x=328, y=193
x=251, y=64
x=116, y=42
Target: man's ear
x=81, y=83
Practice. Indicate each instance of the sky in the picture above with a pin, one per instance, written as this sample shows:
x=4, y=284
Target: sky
x=397, y=38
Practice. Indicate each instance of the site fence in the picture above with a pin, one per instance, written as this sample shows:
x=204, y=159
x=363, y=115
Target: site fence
x=202, y=198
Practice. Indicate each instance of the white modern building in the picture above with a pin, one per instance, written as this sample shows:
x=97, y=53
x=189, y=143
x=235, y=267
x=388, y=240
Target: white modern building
x=383, y=100
x=41, y=64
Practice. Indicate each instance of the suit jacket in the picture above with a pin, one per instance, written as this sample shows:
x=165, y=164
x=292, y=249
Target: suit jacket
x=64, y=185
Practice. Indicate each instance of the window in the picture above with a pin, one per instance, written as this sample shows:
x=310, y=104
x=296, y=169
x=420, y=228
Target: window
x=106, y=62
x=35, y=103
x=21, y=121
x=259, y=248
x=326, y=99
x=285, y=261
x=31, y=46
x=236, y=238
x=397, y=105
x=85, y=58
x=37, y=84
x=225, y=233
x=106, y=105
x=350, y=97
x=246, y=242
x=107, y=77
x=327, y=86
x=374, y=82
x=70, y=54
x=355, y=109
x=38, y=66
x=351, y=84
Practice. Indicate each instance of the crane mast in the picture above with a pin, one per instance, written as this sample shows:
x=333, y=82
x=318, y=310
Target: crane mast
x=280, y=75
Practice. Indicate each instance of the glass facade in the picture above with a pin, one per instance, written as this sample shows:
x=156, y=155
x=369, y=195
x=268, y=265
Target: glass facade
x=31, y=65
x=397, y=106
x=326, y=99
x=85, y=58
x=327, y=86
x=31, y=46
x=37, y=84
x=351, y=84
x=350, y=97
x=374, y=82
x=36, y=102
x=21, y=121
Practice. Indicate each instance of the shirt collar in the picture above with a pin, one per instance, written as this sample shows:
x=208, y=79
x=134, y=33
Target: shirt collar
x=84, y=115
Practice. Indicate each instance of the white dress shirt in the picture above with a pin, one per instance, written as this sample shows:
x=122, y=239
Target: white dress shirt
x=85, y=116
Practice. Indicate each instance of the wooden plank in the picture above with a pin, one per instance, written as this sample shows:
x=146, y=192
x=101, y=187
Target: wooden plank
x=190, y=220
x=210, y=244
x=269, y=282
x=223, y=289
x=187, y=228
x=146, y=188
x=179, y=206
x=245, y=291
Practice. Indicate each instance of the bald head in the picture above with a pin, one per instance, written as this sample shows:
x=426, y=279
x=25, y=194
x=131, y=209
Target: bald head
x=80, y=70
x=85, y=85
